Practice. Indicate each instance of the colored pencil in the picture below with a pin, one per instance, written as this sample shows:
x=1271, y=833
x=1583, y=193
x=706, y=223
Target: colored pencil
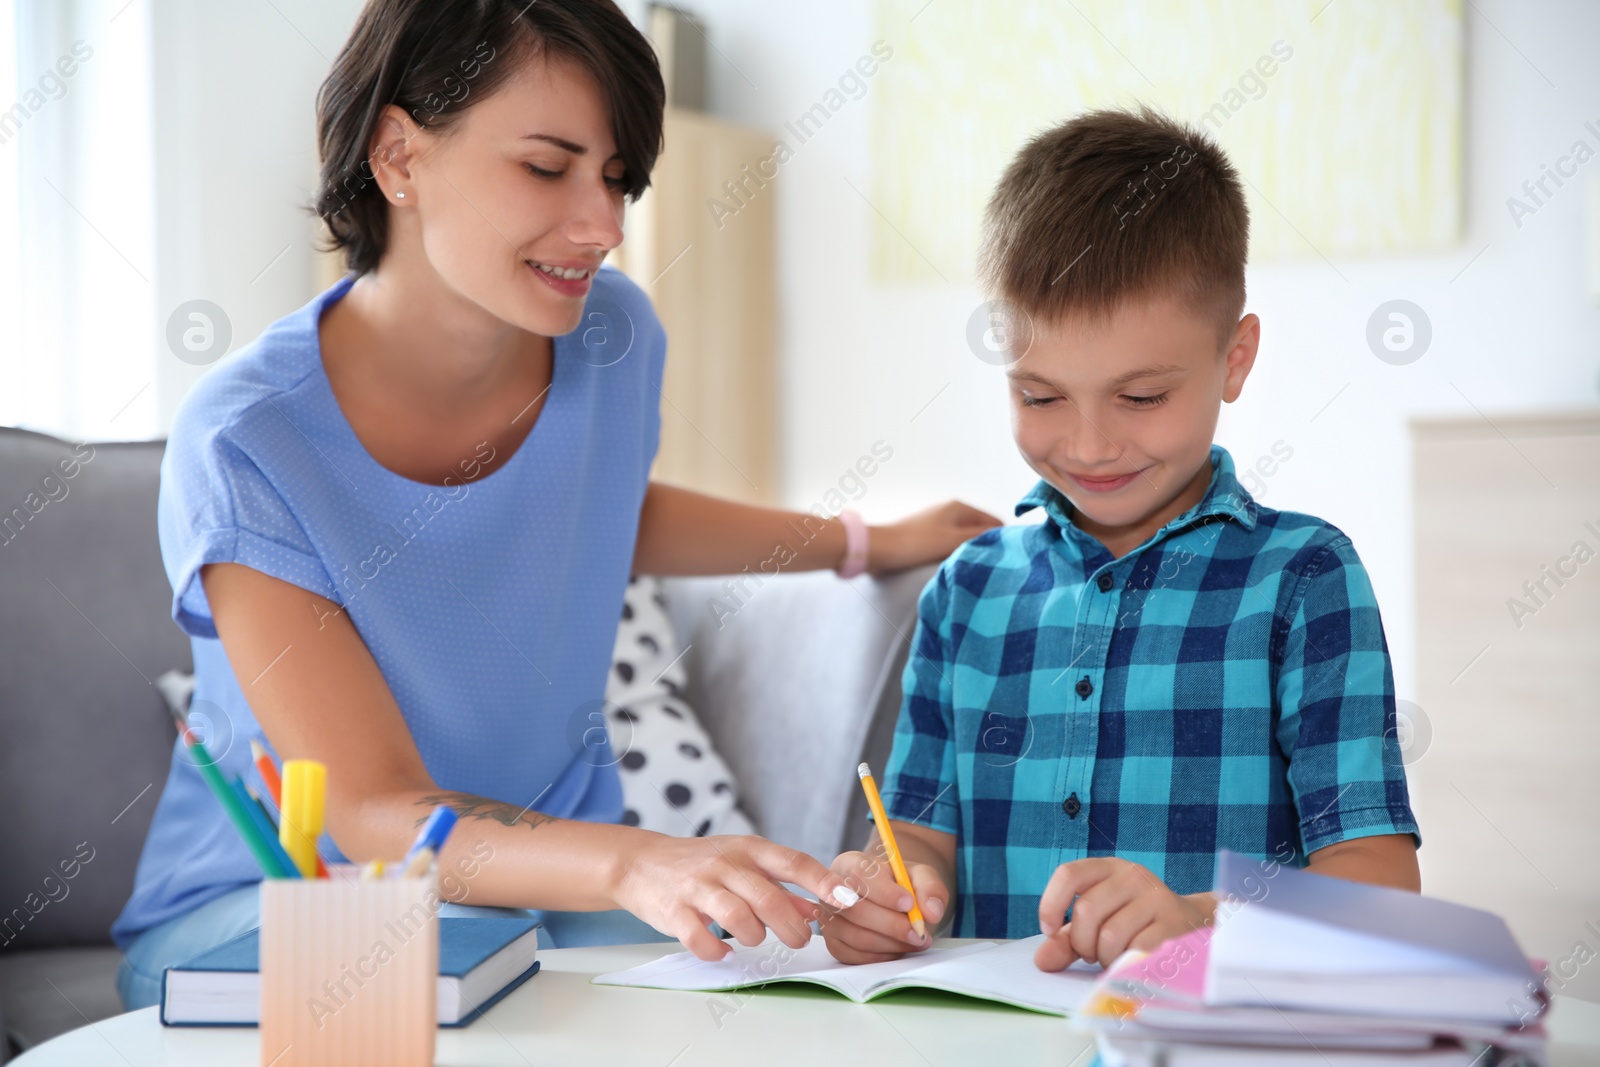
x=268, y=772
x=263, y=823
x=428, y=843
x=269, y=778
x=233, y=804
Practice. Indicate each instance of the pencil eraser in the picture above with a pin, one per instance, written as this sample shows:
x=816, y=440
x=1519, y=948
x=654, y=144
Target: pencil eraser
x=845, y=897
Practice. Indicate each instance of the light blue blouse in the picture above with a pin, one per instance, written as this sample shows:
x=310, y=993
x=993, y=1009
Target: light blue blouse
x=490, y=604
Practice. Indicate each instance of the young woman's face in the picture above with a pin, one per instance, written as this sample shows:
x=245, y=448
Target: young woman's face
x=518, y=203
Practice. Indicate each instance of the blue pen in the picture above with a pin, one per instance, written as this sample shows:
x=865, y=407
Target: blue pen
x=429, y=841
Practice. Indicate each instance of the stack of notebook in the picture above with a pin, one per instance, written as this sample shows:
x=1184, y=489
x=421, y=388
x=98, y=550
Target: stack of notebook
x=1306, y=969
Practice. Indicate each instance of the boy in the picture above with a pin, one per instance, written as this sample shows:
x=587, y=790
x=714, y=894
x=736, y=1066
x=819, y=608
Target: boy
x=1098, y=703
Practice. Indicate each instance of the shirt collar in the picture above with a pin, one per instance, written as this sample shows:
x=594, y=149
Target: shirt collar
x=1224, y=496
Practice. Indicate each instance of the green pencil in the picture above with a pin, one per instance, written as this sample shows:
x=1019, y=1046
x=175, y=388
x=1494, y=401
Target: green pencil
x=229, y=799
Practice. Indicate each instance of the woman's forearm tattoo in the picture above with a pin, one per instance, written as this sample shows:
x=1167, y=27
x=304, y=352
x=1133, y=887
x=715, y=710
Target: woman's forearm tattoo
x=472, y=806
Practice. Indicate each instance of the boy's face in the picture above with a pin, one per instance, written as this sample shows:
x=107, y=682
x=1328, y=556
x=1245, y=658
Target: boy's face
x=1119, y=413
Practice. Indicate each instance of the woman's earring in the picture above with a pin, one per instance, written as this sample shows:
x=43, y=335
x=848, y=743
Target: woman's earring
x=400, y=195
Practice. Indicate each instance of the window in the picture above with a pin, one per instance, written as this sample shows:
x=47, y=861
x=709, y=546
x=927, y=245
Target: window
x=10, y=216
x=76, y=219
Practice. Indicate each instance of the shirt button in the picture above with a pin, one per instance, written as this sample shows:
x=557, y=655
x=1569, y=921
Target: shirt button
x=1084, y=687
x=1105, y=583
x=1072, y=806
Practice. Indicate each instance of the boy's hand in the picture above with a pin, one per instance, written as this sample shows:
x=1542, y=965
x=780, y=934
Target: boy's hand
x=1116, y=905
x=878, y=928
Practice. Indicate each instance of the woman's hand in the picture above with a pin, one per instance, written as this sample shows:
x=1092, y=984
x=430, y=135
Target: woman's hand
x=684, y=532
x=926, y=537
x=1116, y=905
x=879, y=927
x=680, y=884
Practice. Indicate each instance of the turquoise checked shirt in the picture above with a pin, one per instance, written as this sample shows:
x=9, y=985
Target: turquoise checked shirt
x=1224, y=685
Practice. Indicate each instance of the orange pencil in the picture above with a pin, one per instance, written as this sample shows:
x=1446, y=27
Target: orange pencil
x=886, y=835
x=269, y=773
x=274, y=784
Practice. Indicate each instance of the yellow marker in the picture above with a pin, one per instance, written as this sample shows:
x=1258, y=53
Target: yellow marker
x=886, y=835
x=305, y=787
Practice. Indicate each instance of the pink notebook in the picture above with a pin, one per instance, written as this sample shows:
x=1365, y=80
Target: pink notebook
x=1161, y=995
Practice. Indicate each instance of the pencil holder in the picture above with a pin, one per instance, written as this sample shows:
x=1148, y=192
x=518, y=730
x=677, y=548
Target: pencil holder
x=349, y=970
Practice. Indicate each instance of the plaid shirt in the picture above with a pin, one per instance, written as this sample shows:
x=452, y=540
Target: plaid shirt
x=1224, y=685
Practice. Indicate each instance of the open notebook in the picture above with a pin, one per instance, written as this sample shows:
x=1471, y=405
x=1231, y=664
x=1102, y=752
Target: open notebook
x=988, y=970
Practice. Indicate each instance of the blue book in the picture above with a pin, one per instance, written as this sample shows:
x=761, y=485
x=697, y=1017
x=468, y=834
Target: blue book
x=481, y=959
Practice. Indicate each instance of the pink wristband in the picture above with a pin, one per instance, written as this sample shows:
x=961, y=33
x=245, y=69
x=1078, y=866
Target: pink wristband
x=855, y=545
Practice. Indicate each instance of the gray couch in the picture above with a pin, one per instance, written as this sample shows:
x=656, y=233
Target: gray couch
x=796, y=688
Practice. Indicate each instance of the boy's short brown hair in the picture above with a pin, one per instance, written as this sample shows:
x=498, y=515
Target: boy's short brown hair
x=1115, y=205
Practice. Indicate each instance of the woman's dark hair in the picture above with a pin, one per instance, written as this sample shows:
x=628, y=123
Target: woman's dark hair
x=435, y=58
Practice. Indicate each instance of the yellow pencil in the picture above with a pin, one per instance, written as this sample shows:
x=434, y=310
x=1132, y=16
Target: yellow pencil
x=886, y=835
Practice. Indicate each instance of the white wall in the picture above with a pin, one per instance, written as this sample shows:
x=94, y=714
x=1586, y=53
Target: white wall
x=236, y=159
x=1514, y=331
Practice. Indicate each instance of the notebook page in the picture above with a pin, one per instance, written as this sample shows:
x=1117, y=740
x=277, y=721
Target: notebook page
x=1438, y=934
x=1259, y=939
x=1005, y=973
x=774, y=961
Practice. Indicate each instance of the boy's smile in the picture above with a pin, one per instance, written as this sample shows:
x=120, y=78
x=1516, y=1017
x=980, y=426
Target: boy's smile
x=1118, y=412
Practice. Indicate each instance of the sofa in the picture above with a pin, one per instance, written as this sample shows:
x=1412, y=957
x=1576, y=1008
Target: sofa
x=796, y=687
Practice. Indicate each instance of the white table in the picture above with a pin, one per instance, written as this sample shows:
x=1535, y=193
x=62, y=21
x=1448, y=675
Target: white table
x=559, y=1018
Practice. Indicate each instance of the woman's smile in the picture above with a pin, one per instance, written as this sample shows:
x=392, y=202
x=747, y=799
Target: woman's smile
x=568, y=279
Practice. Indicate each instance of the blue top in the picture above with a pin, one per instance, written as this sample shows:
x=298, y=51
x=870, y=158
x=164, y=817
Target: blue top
x=490, y=604
x=1225, y=685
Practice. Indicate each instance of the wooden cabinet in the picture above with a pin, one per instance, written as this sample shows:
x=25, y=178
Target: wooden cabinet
x=702, y=242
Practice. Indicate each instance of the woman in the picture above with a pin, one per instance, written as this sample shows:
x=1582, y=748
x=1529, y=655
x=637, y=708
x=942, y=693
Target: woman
x=398, y=526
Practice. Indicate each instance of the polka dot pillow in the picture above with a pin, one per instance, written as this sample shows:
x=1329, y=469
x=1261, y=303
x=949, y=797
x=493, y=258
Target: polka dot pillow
x=672, y=780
